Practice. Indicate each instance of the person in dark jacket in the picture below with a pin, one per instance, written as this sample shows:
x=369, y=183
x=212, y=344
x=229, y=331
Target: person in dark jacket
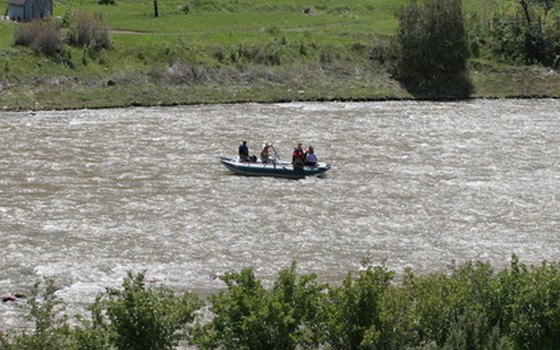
x=243, y=152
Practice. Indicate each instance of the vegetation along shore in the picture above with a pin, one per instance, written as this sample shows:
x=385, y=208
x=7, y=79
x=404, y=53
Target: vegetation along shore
x=114, y=53
x=472, y=306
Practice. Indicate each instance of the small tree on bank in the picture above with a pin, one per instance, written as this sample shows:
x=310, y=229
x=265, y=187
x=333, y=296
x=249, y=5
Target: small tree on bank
x=433, y=49
x=524, y=32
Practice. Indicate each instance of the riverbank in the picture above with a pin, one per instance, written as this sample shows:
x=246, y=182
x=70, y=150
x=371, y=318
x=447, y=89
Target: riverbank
x=234, y=52
x=257, y=84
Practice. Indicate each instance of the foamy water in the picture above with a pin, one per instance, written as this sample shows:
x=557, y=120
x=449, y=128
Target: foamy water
x=86, y=196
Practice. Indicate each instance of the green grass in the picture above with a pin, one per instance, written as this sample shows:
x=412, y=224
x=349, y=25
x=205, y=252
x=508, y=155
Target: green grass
x=229, y=51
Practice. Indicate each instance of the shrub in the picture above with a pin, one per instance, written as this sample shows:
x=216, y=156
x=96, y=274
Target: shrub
x=49, y=328
x=352, y=311
x=94, y=333
x=87, y=30
x=148, y=319
x=383, y=51
x=25, y=33
x=247, y=316
x=524, y=32
x=469, y=307
x=269, y=54
x=4, y=342
x=43, y=36
x=48, y=41
x=537, y=309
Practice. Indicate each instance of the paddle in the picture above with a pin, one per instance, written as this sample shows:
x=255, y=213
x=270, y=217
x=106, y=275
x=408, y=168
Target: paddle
x=275, y=153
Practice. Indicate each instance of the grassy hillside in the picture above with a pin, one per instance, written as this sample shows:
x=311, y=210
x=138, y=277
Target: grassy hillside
x=207, y=51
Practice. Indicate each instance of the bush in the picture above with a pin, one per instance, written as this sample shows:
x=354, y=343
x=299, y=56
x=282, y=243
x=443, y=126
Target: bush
x=4, y=342
x=526, y=32
x=352, y=312
x=95, y=333
x=48, y=325
x=87, y=30
x=537, y=308
x=269, y=54
x=148, y=319
x=469, y=307
x=43, y=36
x=48, y=41
x=383, y=51
x=247, y=316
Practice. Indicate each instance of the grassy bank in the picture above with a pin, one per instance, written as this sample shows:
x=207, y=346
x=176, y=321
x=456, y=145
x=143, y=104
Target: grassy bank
x=209, y=51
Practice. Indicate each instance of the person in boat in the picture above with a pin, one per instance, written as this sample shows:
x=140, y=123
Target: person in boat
x=266, y=157
x=310, y=157
x=298, y=156
x=244, y=152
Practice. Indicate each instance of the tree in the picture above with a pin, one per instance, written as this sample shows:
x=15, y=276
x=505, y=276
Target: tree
x=525, y=31
x=433, y=48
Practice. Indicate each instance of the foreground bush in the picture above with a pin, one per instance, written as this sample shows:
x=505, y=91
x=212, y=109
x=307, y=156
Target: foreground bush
x=141, y=318
x=352, y=312
x=135, y=317
x=247, y=316
x=45, y=314
x=471, y=307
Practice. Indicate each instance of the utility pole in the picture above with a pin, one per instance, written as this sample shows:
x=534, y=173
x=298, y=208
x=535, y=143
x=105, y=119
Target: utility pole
x=155, y=9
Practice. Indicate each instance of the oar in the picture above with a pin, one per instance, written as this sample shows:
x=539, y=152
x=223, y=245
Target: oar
x=275, y=153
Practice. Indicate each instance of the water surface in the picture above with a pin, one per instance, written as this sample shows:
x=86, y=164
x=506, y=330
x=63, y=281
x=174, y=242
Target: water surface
x=86, y=196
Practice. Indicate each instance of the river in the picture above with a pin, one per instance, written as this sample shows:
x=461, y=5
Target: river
x=87, y=195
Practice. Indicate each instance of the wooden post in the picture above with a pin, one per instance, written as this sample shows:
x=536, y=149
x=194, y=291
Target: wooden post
x=155, y=9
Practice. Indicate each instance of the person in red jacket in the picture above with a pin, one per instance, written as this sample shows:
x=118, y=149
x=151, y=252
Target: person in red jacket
x=298, y=156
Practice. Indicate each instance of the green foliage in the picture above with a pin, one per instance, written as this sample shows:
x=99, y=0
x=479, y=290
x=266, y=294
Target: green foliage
x=247, y=316
x=147, y=319
x=94, y=333
x=49, y=327
x=353, y=310
x=470, y=307
x=536, y=311
x=4, y=342
x=525, y=32
x=433, y=48
x=270, y=54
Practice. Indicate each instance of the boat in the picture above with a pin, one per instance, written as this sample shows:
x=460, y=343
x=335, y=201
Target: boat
x=275, y=168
